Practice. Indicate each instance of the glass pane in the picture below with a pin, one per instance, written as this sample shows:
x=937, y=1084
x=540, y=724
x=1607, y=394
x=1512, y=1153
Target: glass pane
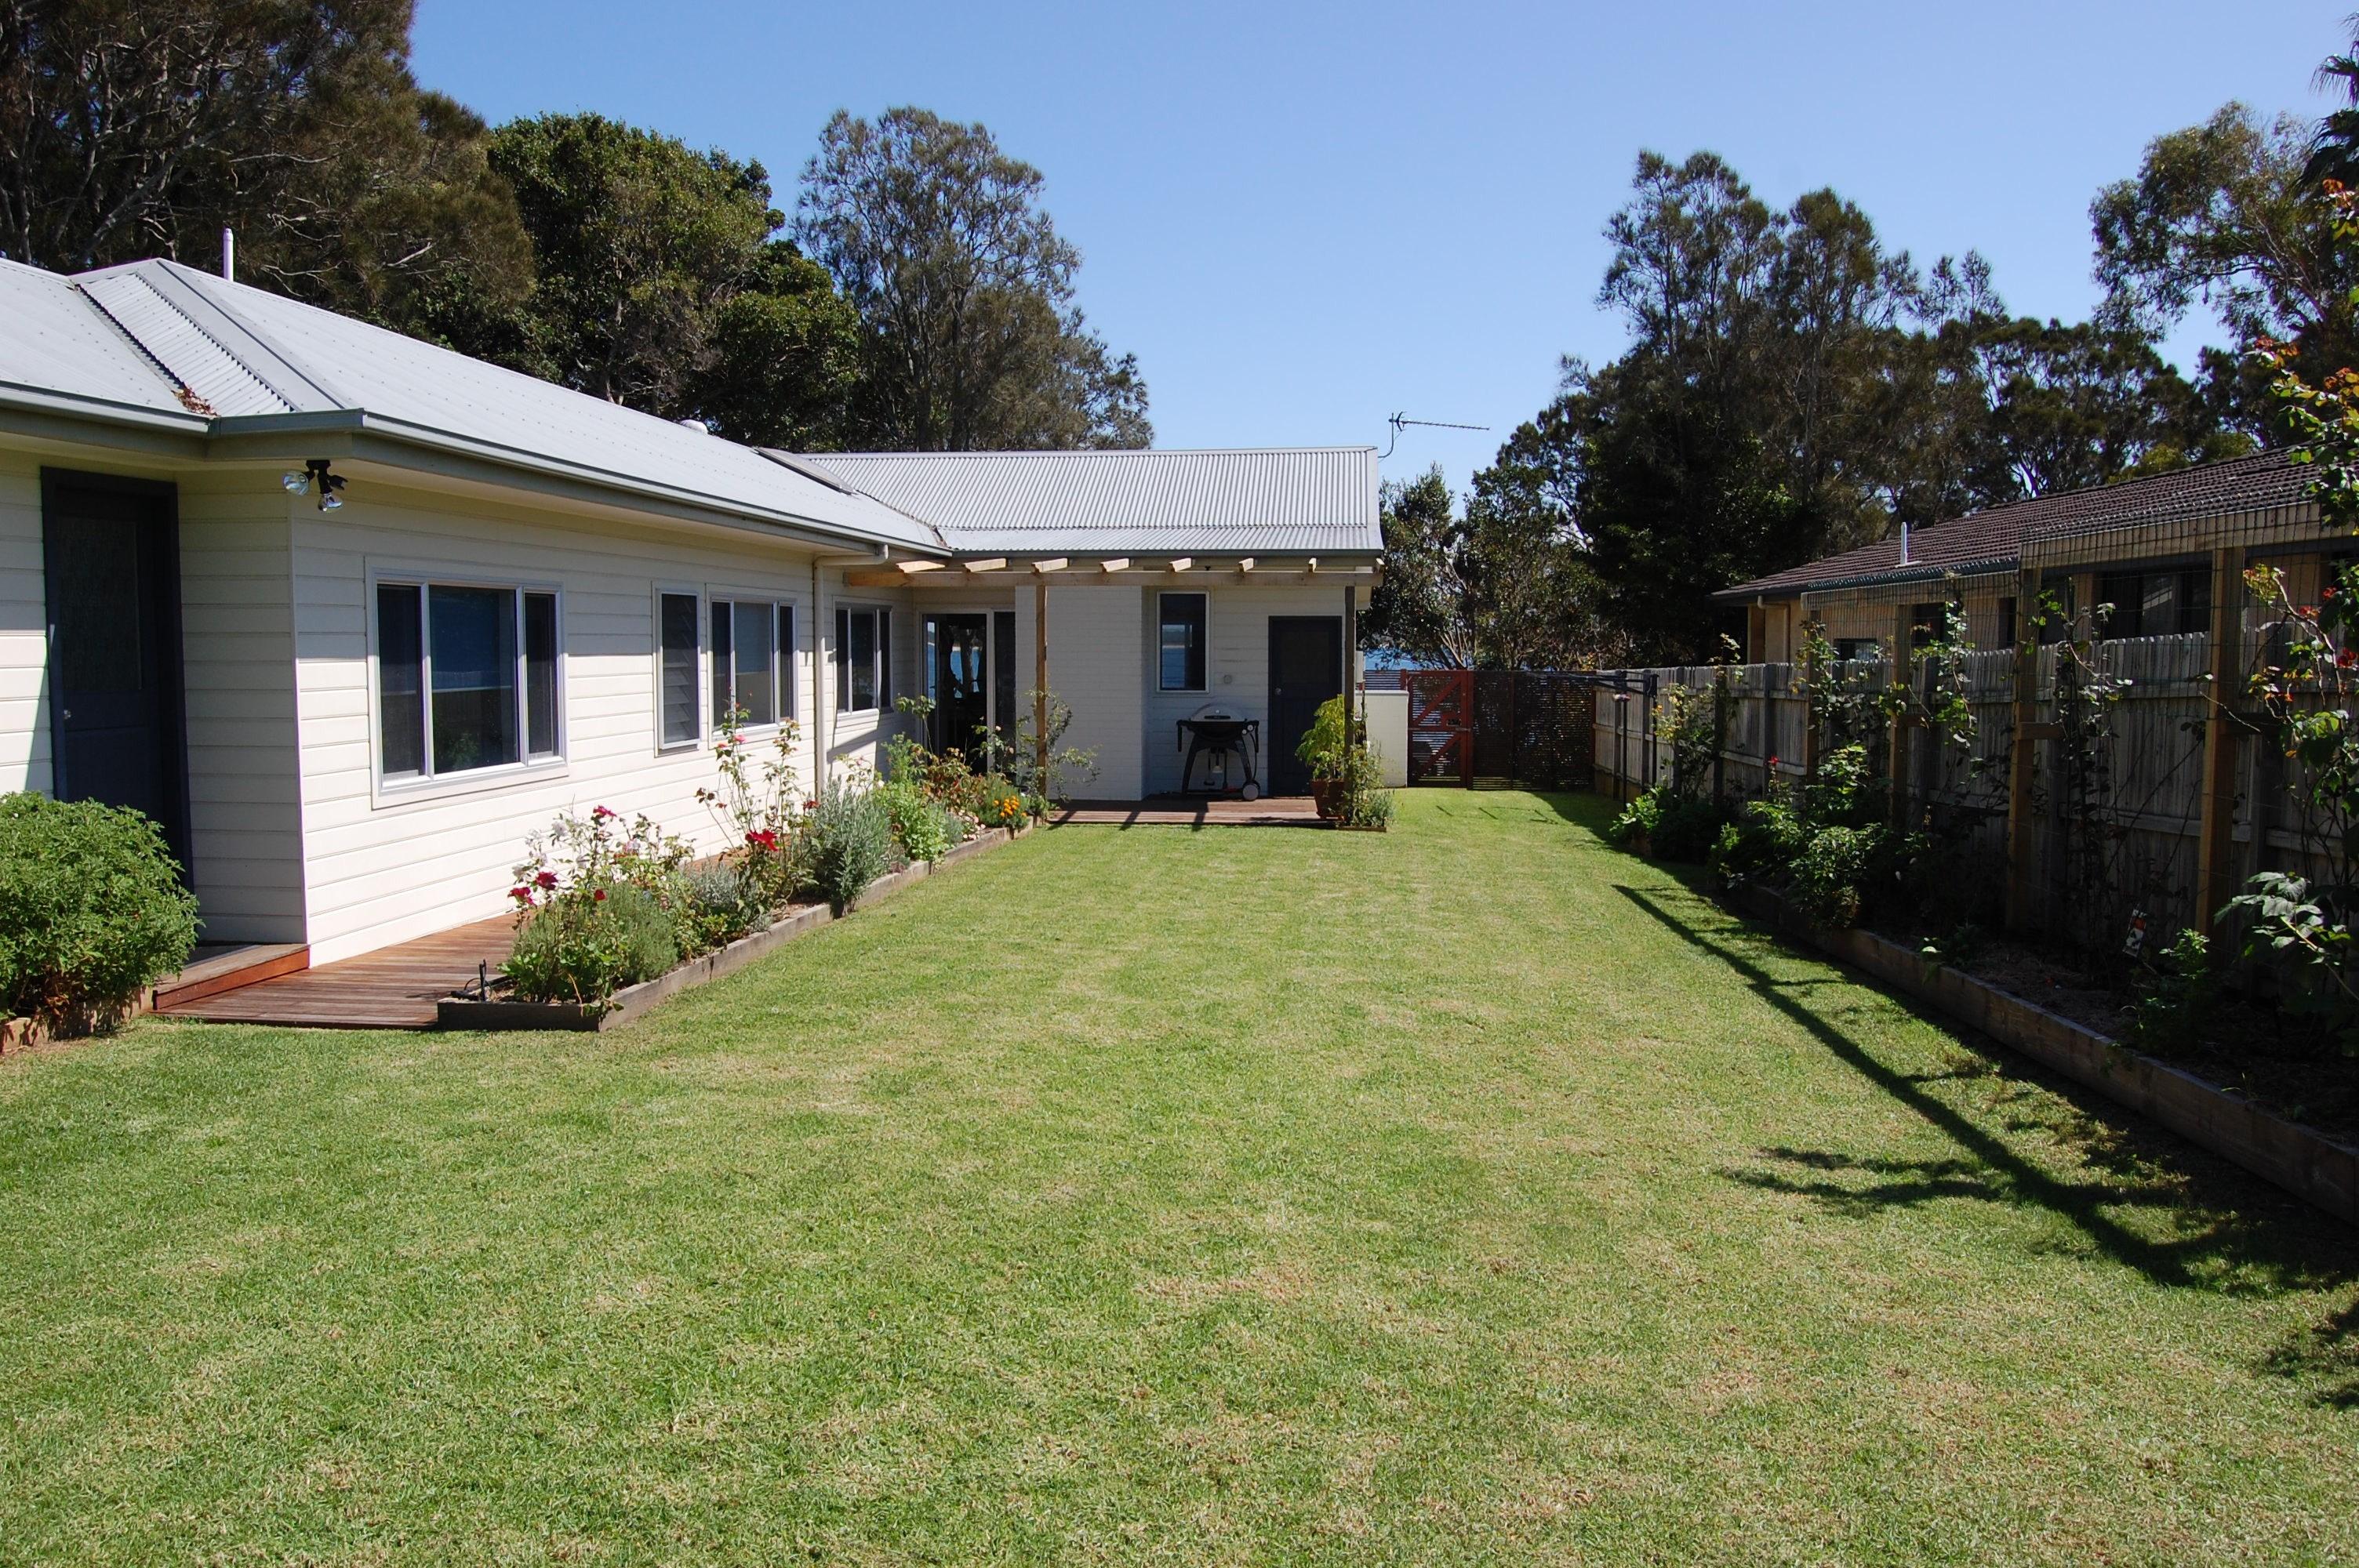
x=401, y=717
x=1003, y=668
x=473, y=647
x=97, y=612
x=2158, y=611
x=884, y=658
x=860, y=653
x=678, y=668
x=754, y=656
x=1182, y=644
x=785, y=661
x=540, y=674
x=724, y=698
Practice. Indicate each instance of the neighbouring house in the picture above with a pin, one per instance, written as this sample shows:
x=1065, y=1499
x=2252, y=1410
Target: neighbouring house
x=2161, y=551
x=351, y=614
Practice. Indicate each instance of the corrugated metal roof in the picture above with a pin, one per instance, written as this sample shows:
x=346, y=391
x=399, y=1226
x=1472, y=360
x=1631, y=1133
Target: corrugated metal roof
x=216, y=378
x=52, y=343
x=1992, y=539
x=1277, y=500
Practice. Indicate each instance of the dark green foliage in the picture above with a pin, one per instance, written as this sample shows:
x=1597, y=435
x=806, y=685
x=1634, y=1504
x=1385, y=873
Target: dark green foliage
x=852, y=842
x=2176, y=993
x=91, y=910
x=661, y=284
x=720, y=904
x=138, y=128
x=1675, y=826
x=969, y=334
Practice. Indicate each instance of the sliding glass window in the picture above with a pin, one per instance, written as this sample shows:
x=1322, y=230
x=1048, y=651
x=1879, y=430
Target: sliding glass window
x=469, y=677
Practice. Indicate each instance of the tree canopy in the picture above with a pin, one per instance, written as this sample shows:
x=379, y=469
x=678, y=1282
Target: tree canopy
x=970, y=335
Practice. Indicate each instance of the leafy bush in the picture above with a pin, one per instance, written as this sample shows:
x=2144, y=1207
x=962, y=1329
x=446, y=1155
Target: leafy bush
x=921, y=826
x=1828, y=873
x=2177, y=994
x=722, y=902
x=1759, y=845
x=587, y=943
x=91, y=911
x=2299, y=936
x=1325, y=745
x=1636, y=820
x=998, y=803
x=1688, y=829
x=1359, y=798
x=852, y=841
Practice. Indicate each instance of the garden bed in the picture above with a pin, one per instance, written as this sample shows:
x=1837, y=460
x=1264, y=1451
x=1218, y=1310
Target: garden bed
x=624, y=1005
x=2302, y=1159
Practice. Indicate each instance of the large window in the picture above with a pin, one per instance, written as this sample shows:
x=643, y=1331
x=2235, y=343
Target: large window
x=753, y=660
x=467, y=679
x=1179, y=642
x=863, y=659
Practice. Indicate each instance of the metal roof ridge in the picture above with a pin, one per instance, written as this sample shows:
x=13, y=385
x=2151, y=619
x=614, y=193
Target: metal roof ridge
x=170, y=278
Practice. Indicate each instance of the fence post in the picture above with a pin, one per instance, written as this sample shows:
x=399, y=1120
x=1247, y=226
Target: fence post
x=1897, y=679
x=2215, y=872
x=2023, y=756
x=1813, y=672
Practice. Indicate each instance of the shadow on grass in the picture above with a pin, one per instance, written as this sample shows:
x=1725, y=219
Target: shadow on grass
x=2260, y=1242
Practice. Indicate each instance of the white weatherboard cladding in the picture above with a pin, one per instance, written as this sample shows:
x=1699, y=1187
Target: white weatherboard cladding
x=237, y=625
x=1236, y=665
x=24, y=632
x=1096, y=647
x=383, y=868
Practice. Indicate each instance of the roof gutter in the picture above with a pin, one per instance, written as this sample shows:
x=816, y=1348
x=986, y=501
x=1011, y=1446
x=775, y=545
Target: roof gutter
x=353, y=422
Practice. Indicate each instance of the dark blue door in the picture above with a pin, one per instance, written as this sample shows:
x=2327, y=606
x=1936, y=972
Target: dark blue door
x=1306, y=668
x=111, y=557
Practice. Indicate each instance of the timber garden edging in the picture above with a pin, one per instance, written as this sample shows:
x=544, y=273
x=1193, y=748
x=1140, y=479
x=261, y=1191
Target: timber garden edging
x=2301, y=1160
x=468, y=1012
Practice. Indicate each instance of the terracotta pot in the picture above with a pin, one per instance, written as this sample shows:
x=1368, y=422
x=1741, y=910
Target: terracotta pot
x=1322, y=795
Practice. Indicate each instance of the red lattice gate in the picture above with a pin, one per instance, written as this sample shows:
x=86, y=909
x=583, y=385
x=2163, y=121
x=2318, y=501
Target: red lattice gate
x=1440, y=726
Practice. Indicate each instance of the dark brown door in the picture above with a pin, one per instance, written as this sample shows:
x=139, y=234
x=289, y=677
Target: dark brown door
x=111, y=555
x=1306, y=668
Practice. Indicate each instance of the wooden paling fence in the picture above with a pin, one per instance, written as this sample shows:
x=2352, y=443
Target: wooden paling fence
x=2101, y=835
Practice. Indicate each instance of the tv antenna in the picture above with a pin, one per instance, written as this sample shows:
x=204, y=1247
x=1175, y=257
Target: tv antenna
x=1401, y=421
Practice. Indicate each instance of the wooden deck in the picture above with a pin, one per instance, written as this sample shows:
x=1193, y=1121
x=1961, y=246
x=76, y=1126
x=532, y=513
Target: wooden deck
x=1190, y=811
x=392, y=988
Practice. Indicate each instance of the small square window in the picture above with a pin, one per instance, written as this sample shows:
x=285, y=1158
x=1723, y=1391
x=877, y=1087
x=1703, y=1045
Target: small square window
x=1179, y=641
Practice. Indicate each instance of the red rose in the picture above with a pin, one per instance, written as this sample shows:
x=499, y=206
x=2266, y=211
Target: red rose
x=598, y=895
x=545, y=880
x=521, y=894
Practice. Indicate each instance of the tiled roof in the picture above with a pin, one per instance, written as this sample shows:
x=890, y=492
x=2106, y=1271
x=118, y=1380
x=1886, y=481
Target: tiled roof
x=1991, y=540
x=1290, y=501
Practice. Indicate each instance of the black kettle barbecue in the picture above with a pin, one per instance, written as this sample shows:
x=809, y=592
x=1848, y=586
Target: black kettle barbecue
x=1215, y=735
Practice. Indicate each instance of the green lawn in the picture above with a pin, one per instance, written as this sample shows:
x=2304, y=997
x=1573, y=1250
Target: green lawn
x=1469, y=1194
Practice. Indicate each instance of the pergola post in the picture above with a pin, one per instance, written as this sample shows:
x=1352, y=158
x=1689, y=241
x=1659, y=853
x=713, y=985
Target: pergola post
x=1040, y=680
x=1352, y=713
x=1903, y=629
x=2216, y=842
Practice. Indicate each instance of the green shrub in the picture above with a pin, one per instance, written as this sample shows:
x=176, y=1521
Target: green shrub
x=852, y=842
x=1639, y=818
x=590, y=941
x=1323, y=745
x=922, y=825
x=1759, y=846
x=721, y=902
x=1687, y=830
x=1359, y=798
x=2178, y=992
x=91, y=911
x=1828, y=873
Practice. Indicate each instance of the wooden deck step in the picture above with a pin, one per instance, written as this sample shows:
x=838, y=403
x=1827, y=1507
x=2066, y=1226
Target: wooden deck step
x=1190, y=811
x=245, y=964
x=392, y=988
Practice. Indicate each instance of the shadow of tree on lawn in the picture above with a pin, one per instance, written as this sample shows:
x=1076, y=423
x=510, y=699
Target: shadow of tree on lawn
x=2209, y=1225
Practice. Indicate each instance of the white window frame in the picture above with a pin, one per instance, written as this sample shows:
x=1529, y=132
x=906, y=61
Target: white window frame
x=880, y=665
x=702, y=687
x=1160, y=596
x=427, y=785
x=785, y=660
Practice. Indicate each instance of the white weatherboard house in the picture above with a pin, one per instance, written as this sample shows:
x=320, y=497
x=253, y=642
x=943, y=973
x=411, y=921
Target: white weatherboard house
x=528, y=600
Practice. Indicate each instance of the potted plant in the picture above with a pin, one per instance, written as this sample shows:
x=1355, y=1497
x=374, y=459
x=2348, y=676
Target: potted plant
x=1324, y=748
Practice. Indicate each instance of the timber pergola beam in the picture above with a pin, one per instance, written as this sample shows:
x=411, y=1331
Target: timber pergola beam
x=1107, y=569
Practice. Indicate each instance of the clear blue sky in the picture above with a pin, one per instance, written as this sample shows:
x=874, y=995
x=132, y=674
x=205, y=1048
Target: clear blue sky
x=1301, y=218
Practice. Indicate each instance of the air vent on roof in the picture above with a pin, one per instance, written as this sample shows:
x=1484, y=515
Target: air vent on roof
x=809, y=469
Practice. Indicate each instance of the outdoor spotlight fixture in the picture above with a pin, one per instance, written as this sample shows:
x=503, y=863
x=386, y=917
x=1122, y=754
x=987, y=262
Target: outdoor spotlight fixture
x=315, y=472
